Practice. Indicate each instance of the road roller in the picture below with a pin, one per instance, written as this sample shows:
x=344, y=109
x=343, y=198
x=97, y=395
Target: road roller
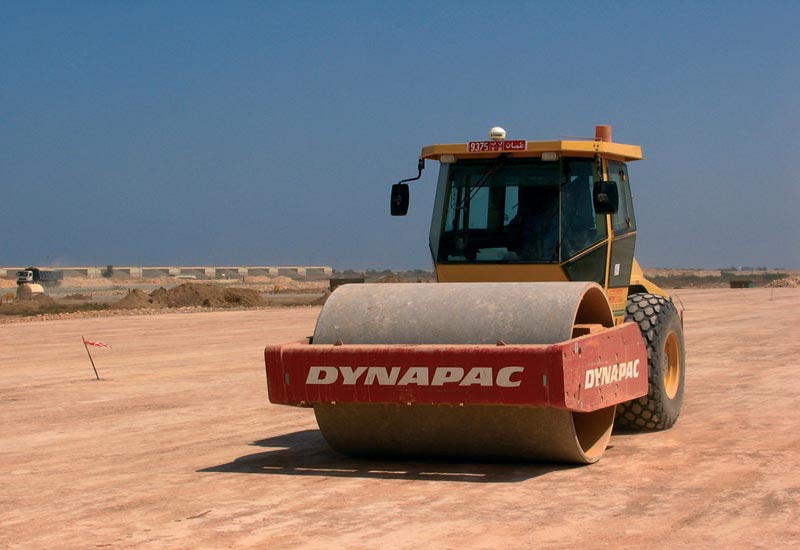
x=540, y=335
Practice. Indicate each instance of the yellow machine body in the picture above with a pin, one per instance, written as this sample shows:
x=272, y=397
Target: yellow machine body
x=547, y=229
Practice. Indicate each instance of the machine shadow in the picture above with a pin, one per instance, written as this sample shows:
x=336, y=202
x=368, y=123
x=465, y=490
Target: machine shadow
x=306, y=453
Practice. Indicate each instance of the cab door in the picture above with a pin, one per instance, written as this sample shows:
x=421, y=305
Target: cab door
x=623, y=226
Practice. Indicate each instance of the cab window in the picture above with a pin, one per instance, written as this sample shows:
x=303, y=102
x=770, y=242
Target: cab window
x=582, y=227
x=623, y=221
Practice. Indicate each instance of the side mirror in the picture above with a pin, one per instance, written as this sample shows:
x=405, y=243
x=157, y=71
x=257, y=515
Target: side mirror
x=399, y=199
x=606, y=197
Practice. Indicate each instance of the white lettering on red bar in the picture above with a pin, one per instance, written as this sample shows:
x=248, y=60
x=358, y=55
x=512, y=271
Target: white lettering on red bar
x=609, y=374
x=416, y=376
x=441, y=376
x=322, y=375
x=351, y=375
x=496, y=146
x=478, y=376
x=504, y=377
x=383, y=377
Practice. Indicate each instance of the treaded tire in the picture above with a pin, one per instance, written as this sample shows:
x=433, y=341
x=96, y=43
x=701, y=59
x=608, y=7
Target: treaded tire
x=661, y=328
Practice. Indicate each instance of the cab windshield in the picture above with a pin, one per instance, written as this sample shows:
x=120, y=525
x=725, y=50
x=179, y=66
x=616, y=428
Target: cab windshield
x=516, y=211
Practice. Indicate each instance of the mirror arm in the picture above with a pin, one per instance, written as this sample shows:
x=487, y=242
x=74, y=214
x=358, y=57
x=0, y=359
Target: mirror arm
x=597, y=169
x=420, y=167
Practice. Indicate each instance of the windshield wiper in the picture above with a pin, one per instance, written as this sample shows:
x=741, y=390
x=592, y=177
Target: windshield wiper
x=483, y=180
x=460, y=233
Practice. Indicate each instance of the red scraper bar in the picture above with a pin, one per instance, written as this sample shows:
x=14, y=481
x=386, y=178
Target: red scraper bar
x=583, y=374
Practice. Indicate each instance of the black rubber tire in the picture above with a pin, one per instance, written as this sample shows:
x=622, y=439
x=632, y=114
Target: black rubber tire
x=657, y=317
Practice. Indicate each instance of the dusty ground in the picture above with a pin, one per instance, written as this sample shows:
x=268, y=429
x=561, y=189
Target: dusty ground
x=178, y=448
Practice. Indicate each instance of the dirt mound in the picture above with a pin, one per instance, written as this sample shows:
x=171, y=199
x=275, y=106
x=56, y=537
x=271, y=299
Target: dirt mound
x=41, y=303
x=137, y=299
x=194, y=294
x=44, y=300
x=78, y=296
x=190, y=295
x=789, y=282
x=279, y=280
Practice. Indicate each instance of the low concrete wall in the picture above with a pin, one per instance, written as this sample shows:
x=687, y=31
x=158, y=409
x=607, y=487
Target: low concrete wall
x=230, y=273
x=150, y=272
x=319, y=273
x=90, y=272
x=201, y=272
x=128, y=271
x=262, y=271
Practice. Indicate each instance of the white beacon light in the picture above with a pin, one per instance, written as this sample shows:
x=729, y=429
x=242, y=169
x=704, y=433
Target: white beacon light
x=497, y=134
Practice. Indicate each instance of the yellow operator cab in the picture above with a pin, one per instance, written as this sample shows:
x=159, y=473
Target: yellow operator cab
x=518, y=210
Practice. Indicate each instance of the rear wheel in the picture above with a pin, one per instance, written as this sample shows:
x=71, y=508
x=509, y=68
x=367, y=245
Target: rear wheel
x=661, y=328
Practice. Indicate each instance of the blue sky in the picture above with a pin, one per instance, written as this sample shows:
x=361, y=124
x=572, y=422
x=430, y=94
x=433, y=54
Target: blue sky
x=269, y=133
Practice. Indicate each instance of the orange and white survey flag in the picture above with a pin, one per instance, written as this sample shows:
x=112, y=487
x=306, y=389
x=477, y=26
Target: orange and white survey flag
x=97, y=344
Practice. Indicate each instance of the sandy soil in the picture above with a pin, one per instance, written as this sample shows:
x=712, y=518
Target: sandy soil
x=177, y=447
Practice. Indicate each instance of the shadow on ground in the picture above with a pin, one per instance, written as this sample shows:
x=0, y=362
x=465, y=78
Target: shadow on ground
x=306, y=453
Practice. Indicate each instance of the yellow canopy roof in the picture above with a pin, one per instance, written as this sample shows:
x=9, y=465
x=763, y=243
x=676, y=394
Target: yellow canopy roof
x=522, y=148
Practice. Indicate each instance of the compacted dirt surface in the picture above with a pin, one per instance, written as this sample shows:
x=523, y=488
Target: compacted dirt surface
x=177, y=447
